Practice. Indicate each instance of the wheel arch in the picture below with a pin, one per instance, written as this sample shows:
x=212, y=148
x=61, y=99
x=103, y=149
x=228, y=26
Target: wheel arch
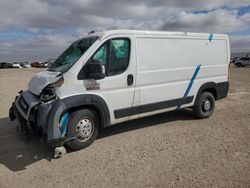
x=90, y=101
x=90, y=107
x=209, y=87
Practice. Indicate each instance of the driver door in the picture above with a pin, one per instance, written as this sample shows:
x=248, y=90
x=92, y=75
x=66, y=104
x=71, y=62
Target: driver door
x=118, y=87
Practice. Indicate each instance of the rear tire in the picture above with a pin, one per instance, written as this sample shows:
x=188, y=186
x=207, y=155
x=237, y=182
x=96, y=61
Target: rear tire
x=84, y=126
x=204, y=105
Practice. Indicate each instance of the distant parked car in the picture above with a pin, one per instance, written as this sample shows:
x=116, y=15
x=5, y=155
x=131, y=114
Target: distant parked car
x=25, y=65
x=36, y=64
x=44, y=64
x=50, y=62
x=9, y=65
x=15, y=65
x=242, y=62
x=3, y=65
x=232, y=60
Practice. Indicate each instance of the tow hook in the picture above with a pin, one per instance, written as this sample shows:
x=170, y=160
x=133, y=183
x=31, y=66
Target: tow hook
x=59, y=151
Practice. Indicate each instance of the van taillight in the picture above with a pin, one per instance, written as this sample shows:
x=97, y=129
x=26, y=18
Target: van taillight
x=228, y=71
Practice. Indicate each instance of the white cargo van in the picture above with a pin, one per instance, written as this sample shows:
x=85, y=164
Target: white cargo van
x=119, y=75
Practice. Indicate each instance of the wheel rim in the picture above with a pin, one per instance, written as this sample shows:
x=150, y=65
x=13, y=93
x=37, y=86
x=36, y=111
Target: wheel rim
x=84, y=129
x=206, y=105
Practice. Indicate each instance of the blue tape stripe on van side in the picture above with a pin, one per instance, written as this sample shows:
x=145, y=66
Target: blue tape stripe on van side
x=210, y=37
x=191, y=82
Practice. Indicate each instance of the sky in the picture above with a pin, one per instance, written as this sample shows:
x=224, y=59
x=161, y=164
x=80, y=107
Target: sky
x=33, y=30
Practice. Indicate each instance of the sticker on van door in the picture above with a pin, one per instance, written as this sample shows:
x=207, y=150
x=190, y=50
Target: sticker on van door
x=95, y=87
x=92, y=85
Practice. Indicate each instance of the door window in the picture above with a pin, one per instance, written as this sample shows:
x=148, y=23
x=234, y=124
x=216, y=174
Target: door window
x=118, y=56
x=101, y=55
x=114, y=54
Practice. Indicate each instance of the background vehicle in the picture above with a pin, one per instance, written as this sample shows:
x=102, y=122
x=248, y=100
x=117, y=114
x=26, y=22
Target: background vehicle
x=36, y=64
x=9, y=65
x=44, y=64
x=242, y=62
x=3, y=65
x=25, y=64
x=50, y=61
x=15, y=65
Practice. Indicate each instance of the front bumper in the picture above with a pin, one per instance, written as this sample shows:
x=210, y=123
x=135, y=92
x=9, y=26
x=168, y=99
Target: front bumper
x=42, y=117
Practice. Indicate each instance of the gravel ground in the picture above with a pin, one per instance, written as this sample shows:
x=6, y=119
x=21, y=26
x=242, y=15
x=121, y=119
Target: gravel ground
x=168, y=150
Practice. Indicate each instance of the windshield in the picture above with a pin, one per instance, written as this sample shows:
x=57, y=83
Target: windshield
x=69, y=57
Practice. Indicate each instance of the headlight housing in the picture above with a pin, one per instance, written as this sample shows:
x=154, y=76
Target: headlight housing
x=48, y=93
x=56, y=84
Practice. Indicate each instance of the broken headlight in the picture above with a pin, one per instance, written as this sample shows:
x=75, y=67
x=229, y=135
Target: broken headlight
x=48, y=93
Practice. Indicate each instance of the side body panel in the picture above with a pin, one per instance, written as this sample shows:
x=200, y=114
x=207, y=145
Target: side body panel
x=166, y=66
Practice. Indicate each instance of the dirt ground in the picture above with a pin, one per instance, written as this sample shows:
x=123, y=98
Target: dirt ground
x=168, y=150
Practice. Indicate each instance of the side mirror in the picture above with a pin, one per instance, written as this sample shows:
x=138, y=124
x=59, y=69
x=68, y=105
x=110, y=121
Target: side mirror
x=93, y=70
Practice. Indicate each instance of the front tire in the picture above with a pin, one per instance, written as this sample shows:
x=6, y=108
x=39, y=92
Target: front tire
x=204, y=105
x=84, y=127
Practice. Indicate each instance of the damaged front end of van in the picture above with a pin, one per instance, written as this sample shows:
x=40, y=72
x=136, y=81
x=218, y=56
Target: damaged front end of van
x=40, y=110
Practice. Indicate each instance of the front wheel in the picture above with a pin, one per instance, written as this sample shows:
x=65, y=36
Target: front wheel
x=204, y=106
x=83, y=126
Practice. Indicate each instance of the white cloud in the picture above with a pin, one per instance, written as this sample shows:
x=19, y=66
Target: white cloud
x=81, y=16
x=41, y=47
x=52, y=14
x=218, y=21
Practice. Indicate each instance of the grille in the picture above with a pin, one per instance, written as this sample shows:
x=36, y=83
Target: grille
x=23, y=105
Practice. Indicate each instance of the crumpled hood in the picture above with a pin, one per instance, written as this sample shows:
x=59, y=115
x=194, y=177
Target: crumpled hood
x=41, y=80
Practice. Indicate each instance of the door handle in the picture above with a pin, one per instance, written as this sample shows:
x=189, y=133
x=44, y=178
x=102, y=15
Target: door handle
x=130, y=79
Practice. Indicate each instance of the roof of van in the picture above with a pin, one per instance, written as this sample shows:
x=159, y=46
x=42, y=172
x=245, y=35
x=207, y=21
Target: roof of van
x=156, y=33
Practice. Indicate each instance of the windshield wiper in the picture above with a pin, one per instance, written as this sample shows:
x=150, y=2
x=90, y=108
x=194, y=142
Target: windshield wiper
x=52, y=70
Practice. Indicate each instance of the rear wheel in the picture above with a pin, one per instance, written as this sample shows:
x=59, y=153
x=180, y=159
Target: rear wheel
x=204, y=105
x=83, y=126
